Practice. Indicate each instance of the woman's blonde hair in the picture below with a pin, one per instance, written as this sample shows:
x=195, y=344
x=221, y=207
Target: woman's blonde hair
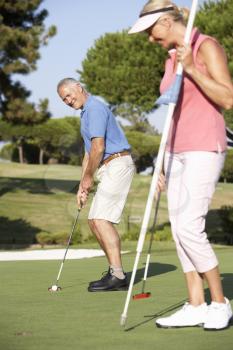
x=179, y=14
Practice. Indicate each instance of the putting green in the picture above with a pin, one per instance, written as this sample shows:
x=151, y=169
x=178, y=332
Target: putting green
x=34, y=319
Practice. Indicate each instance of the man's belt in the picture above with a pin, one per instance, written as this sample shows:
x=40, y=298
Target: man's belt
x=115, y=155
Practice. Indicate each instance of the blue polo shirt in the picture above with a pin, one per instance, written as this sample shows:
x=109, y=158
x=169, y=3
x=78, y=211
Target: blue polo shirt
x=98, y=121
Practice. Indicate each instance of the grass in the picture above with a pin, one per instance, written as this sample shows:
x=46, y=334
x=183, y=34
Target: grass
x=34, y=319
x=35, y=198
x=42, y=198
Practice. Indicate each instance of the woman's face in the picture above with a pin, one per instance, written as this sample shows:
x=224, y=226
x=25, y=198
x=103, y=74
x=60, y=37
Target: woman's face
x=160, y=32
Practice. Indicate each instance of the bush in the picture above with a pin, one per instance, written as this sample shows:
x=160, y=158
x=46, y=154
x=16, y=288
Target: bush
x=90, y=239
x=75, y=159
x=59, y=238
x=132, y=234
x=44, y=238
x=162, y=233
x=220, y=225
x=144, y=148
x=77, y=236
x=226, y=215
x=227, y=173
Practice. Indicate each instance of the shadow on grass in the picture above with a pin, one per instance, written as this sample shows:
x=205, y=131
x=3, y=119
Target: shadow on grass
x=4, y=190
x=16, y=233
x=36, y=186
x=154, y=270
x=158, y=314
x=227, y=282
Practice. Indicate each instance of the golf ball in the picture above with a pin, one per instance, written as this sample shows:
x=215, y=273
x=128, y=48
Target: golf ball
x=54, y=288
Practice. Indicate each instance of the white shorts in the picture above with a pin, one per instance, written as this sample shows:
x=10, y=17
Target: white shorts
x=115, y=179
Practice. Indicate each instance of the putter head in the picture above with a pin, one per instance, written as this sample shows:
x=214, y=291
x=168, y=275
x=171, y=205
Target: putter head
x=141, y=296
x=54, y=288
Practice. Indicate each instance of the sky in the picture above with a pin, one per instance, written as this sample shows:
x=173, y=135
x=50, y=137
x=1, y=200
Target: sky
x=79, y=23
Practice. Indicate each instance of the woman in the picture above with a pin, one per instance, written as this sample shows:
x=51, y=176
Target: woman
x=194, y=157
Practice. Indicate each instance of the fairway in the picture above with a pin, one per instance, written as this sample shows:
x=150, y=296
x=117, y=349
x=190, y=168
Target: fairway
x=42, y=198
x=34, y=319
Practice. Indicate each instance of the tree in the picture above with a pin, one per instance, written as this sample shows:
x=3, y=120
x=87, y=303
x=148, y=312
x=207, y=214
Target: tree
x=125, y=70
x=54, y=138
x=58, y=138
x=17, y=134
x=22, y=33
x=76, y=150
x=144, y=148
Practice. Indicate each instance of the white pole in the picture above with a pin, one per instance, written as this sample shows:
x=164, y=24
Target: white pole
x=157, y=171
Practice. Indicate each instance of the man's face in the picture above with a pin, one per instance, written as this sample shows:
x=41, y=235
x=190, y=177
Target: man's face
x=73, y=95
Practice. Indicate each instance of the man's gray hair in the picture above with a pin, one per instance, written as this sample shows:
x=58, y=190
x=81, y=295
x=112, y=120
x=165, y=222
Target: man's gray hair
x=67, y=81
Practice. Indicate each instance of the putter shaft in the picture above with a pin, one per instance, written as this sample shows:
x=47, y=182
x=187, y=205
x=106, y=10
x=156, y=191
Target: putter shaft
x=68, y=244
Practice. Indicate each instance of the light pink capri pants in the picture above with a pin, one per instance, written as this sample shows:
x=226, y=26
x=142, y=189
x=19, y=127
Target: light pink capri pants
x=191, y=181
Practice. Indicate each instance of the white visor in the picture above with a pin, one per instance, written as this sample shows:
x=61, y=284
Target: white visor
x=146, y=20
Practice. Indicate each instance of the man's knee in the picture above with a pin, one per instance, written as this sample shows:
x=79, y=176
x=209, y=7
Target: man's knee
x=97, y=223
x=93, y=228
x=92, y=225
x=90, y=222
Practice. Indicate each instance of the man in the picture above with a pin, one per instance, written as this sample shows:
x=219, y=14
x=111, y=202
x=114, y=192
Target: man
x=107, y=150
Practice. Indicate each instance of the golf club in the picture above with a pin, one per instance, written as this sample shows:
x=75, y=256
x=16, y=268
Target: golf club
x=169, y=97
x=143, y=294
x=55, y=287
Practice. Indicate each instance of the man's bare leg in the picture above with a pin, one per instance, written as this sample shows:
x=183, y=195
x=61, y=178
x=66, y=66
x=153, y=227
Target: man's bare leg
x=96, y=233
x=109, y=241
